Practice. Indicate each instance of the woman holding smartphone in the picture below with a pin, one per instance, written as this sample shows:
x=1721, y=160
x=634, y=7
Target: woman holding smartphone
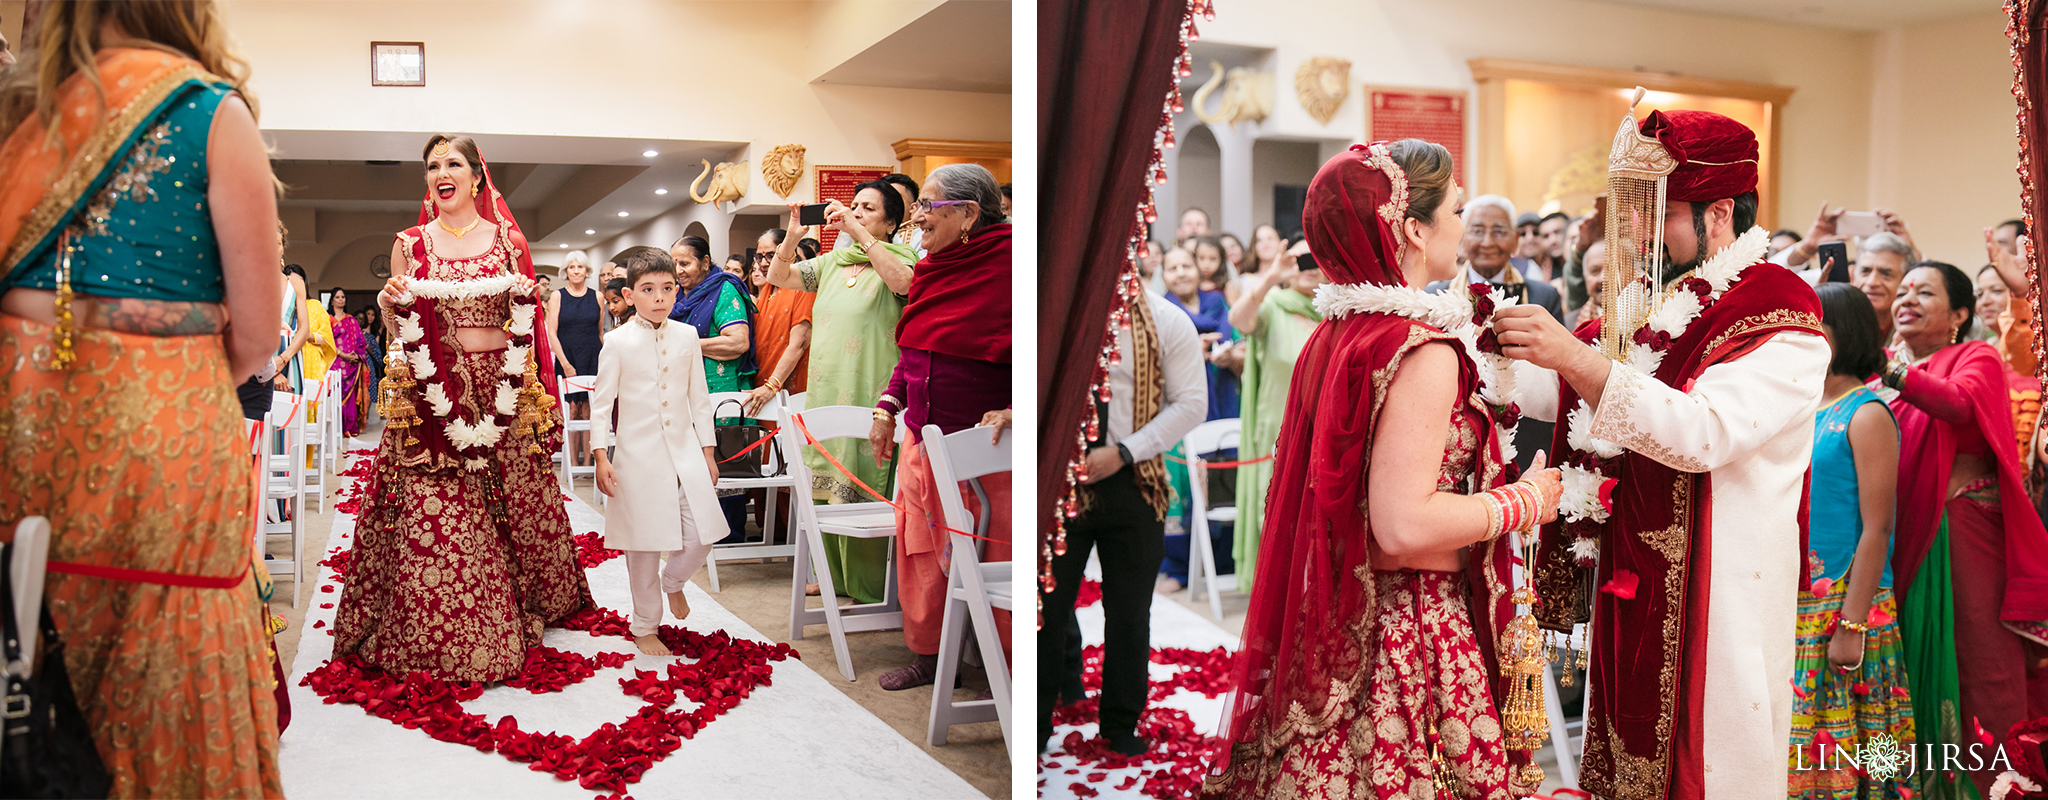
x=861, y=292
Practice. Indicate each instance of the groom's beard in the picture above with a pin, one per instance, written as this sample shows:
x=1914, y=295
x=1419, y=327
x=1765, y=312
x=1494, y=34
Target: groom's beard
x=1674, y=269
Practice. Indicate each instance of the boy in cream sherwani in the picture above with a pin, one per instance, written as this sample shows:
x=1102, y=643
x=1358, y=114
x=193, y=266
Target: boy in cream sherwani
x=652, y=369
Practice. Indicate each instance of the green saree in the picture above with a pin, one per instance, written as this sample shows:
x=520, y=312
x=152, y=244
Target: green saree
x=1927, y=620
x=853, y=352
x=1286, y=319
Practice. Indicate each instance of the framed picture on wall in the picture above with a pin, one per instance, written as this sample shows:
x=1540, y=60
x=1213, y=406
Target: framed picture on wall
x=398, y=64
x=1436, y=115
x=836, y=183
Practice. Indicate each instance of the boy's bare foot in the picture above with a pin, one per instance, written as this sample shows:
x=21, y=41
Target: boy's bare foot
x=651, y=645
x=678, y=605
x=811, y=590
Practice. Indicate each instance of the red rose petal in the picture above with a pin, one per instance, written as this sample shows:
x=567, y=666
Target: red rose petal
x=1622, y=585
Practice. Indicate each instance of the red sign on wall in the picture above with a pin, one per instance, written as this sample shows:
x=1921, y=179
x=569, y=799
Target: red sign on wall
x=1432, y=115
x=836, y=183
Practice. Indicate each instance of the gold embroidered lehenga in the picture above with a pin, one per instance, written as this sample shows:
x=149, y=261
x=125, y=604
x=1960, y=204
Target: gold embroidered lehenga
x=463, y=551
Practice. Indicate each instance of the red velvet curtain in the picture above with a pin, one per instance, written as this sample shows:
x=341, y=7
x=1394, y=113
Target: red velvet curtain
x=1104, y=67
x=2029, y=33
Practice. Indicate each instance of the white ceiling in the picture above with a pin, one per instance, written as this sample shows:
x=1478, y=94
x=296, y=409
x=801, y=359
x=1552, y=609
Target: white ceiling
x=1865, y=15
x=960, y=46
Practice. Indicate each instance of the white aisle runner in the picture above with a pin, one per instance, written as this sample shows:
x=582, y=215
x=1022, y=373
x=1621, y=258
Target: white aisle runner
x=799, y=737
x=1173, y=626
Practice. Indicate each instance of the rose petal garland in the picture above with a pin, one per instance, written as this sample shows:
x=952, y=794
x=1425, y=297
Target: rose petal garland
x=1129, y=289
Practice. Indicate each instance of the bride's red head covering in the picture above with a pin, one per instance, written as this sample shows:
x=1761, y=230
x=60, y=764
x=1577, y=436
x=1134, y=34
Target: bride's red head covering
x=1353, y=214
x=491, y=206
x=1308, y=650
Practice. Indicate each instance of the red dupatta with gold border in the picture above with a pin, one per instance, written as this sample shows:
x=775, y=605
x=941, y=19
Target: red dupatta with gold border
x=1646, y=681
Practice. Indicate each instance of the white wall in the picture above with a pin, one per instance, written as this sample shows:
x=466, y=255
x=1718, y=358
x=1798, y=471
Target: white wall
x=621, y=68
x=1944, y=147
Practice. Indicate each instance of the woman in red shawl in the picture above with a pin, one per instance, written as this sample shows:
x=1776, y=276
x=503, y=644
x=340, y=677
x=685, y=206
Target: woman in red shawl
x=954, y=373
x=1383, y=575
x=463, y=551
x=1970, y=559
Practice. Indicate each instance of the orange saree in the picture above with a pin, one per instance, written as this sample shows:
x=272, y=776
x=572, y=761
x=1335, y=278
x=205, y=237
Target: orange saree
x=136, y=452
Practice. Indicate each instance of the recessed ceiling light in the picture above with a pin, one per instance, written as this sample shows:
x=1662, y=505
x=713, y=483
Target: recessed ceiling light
x=624, y=214
x=650, y=154
x=589, y=231
x=661, y=191
x=565, y=246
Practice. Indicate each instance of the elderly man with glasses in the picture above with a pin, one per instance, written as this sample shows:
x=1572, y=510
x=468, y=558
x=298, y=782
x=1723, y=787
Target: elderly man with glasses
x=1490, y=241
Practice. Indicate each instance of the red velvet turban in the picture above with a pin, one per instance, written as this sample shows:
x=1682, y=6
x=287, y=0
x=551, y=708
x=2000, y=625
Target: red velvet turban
x=1717, y=156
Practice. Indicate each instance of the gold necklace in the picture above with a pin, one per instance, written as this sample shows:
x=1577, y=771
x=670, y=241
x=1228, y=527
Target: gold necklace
x=852, y=276
x=458, y=233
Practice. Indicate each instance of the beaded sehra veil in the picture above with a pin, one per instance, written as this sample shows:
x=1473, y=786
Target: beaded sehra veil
x=1638, y=173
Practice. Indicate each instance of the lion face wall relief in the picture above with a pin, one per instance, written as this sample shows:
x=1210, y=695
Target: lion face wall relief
x=1322, y=84
x=783, y=166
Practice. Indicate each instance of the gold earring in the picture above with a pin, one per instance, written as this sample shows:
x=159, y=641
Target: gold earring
x=473, y=189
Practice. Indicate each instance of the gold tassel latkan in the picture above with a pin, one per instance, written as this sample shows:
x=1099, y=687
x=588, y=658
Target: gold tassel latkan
x=1524, y=724
x=66, y=325
x=394, y=404
x=535, y=407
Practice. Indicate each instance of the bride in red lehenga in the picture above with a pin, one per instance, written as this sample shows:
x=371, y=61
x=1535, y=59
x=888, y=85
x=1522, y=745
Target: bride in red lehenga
x=463, y=551
x=1384, y=574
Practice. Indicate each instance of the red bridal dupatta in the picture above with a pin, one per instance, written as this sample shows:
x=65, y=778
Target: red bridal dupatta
x=434, y=448
x=1310, y=631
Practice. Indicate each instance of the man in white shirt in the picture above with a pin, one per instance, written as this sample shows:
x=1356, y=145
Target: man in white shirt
x=1158, y=392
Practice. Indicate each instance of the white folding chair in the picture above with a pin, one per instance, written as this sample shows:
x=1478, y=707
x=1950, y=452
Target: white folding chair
x=875, y=520
x=1208, y=437
x=313, y=438
x=25, y=573
x=795, y=404
x=570, y=471
x=330, y=422
x=283, y=479
x=973, y=589
x=772, y=412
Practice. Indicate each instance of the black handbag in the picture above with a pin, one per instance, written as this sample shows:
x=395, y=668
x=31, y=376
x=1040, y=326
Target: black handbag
x=46, y=750
x=740, y=447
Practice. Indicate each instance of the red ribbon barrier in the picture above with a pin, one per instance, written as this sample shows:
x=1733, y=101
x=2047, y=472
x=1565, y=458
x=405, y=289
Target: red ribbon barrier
x=809, y=440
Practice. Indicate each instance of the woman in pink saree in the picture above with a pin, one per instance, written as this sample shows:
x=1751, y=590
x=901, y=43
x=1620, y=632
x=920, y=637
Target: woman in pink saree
x=352, y=366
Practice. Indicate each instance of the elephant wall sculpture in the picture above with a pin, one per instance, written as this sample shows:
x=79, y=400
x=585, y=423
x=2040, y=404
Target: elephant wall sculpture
x=1248, y=97
x=728, y=182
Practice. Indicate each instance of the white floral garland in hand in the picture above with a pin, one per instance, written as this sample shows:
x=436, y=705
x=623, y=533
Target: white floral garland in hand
x=1467, y=316
x=1588, y=491
x=489, y=428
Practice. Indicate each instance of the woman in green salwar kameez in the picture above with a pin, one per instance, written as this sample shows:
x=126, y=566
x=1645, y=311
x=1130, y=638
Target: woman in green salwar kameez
x=1275, y=316
x=853, y=333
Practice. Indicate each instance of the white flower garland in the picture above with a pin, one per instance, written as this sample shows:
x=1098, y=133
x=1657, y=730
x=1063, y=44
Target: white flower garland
x=2010, y=780
x=488, y=429
x=1582, y=487
x=470, y=289
x=1450, y=311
